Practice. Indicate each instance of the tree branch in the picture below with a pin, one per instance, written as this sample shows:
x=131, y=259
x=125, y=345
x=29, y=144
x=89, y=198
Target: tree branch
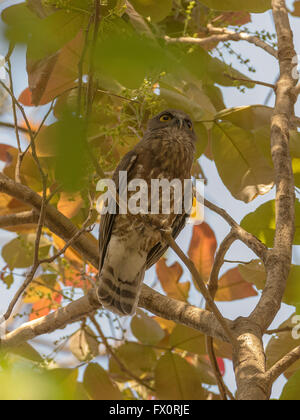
x=279, y=258
x=87, y=246
x=22, y=218
x=163, y=306
x=283, y=364
x=250, y=240
x=190, y=265
x=223, y=35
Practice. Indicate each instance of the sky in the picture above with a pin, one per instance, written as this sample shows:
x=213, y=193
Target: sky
x=267, y=71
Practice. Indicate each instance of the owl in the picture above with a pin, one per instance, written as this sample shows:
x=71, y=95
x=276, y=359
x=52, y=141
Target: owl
x=129, y=244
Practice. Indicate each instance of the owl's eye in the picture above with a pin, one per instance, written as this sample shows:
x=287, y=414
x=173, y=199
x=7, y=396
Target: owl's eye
x=189, y=124
x=165, y=118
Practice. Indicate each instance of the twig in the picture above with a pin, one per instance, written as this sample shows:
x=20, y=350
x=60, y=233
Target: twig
x=212, y=287
x=250, y=240
x=20, y=155
x=80, y=64
x=283, y=364
x=90, y=87
x=83, y=229
x=115, y=357
x=279, y=330
x=256, y=82
x=119, y=96
x=190, y=265
x=223, y=35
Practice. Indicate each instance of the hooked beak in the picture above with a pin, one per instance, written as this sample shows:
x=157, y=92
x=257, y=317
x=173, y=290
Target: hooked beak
x=179, y=122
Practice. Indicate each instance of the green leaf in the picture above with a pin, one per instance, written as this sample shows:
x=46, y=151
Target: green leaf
x=130, y=57
x=282, y=343
x=24, y=383
x=202, y=138
x=137, y=358
x=261, y=223
x=19, y=252
x=26, y=351
x=8, y=280
x=241, y=166
x=296, y=170
x=157, y=11
x=188, y=339
x=64, y=379
x=176, y=379
x=146, y=329
x=70, y=141
x=43, y=36
x=255, y=6
x=248, y=117
x=210, y=70
x=255, y=273
x=291, y=390
x=98, y=384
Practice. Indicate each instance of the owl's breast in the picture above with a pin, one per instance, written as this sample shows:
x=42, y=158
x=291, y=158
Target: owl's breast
x=169, y=157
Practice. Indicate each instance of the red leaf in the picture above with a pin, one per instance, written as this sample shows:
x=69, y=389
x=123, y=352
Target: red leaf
x=202, y=250
x=45, y=305
x=221, y=365
x=26, y=98
x=232, y=286
x=169, y=278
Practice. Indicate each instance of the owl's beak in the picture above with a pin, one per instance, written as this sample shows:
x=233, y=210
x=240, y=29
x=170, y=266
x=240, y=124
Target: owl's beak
x=179, y=123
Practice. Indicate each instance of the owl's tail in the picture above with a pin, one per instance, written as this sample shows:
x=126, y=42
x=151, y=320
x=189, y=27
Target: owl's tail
x=121, y=279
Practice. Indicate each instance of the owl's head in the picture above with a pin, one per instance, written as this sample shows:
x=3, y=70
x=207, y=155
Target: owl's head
x=174, y=119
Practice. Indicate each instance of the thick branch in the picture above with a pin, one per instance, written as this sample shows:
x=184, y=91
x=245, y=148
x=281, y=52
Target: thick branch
x=22, y=218
x=168, y=308
x=279, y=258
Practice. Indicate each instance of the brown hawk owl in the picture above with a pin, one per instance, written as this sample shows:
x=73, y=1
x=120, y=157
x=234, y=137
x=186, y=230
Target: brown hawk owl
x=129, y=246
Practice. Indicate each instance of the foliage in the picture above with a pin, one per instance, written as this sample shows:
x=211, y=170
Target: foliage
x=136, y=72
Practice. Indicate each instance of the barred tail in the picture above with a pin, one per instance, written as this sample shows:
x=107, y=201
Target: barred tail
x=118, y=295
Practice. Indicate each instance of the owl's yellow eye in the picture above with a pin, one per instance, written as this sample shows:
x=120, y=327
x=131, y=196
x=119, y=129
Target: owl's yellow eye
x=189, y=124
x=165, y=118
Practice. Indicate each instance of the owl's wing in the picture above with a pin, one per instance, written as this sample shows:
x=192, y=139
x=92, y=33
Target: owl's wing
x=158, y=250
x=107, y=220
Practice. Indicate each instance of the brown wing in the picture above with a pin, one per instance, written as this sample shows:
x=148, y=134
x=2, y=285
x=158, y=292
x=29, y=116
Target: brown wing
x=107, y=220
x=158, y=250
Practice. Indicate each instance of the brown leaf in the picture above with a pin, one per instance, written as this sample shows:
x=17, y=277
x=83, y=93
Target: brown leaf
x=70, y=253
x=25, y=97
x=233, y=18
x=202, y=250
x=69, y=204
x=169, y=279
x=296, y=11
x=232, y=286
x=55, y=74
